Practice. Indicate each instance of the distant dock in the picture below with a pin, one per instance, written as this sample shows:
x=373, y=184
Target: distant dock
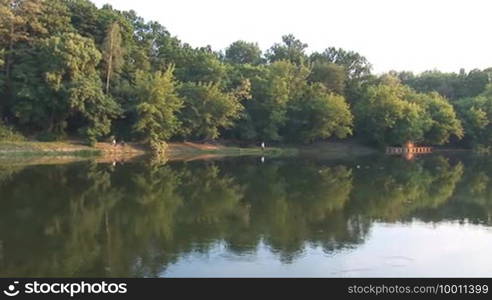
x=404, y=150
x=408, y=151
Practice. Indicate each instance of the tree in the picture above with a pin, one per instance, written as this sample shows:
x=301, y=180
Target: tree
x=153, y=46
x=332, y=76
x=357, y=70
x=385, y=116
x=392, y=113
x=55, y=18
x=69, y=67
x=97, y=109
x=476, y=82
x=450, y=85
x=19, y=24
x=476, y=114
x=318, y=114
x=356, y=65
x=272, y=90
x=200, y=65
x=84, y=17
x=66, y=85
x=207, y=109
x=112, y=52
x=158, y=104
x=443, y=123
x=241, y=52
x=291, y=49
x=445, y=84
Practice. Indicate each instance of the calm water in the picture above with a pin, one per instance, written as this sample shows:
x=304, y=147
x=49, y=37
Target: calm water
x=376, y=216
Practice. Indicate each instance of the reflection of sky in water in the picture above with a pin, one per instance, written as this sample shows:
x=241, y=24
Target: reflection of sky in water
x=391, y=250
x=238, y=217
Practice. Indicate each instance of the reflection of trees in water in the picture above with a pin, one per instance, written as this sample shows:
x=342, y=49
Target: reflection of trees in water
x=48, y=202
x=297, y=203
x=397, y=189
x=472, y=200
x=7, y=172
x=476, y=188
x=88, y=219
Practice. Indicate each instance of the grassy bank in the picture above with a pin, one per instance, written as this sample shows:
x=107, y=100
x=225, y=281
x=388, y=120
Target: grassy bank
x=337, y=150
x=66, y=149
x=30, y=149
x=176, y=151
x=188, y=150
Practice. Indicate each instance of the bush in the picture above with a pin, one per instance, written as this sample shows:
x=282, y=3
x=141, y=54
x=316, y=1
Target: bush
x=158, y=148
x=8, y=134
x=91, y=141
x=49, y=137
x=482, y=149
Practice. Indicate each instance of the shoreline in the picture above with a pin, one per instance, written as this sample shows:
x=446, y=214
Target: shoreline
x=73, y=150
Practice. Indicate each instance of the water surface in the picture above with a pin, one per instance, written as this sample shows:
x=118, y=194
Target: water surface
x=299, y=217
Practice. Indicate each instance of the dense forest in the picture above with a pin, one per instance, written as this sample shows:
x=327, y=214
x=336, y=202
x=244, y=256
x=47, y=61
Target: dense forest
x=72, y=69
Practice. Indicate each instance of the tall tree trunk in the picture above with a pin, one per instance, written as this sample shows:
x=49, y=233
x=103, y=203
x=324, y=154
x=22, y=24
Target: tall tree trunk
x=110, y=64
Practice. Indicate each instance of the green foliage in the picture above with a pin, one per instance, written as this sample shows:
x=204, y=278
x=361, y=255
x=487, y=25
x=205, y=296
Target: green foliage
x=97, y=109
x=357, y=70
x=392, y=113
x=476, y=114
x=50, y=136
x=71, y=68
x=66, y=85
x=8, y=134
x=273, y=89
x=200, y=65
x=242, y=52
x=331, y=75
x=56, y=17
x=318, y=114
x=387, y=117
x=207, y=109
x=443, y=121
x=482, y=149
x=450, y=85
x=158, y=148
x=291, y=49
x=355, y=64
x=157, y=105
x=84, y=17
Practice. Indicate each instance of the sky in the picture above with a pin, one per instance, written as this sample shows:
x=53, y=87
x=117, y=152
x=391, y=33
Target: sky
x=410, y=35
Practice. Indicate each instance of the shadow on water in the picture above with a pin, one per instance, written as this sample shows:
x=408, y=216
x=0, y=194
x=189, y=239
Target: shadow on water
x=135, y=219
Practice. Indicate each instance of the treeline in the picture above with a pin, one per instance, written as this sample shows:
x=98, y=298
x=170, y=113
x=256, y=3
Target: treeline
x=70, y=68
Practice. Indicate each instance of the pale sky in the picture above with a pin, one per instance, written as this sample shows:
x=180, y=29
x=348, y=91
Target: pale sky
x=413, y=35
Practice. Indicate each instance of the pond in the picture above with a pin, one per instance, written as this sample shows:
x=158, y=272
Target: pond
x=377, y=216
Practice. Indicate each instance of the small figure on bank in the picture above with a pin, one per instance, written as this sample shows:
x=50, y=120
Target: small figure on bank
x=263, y=146
x=114, y=142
